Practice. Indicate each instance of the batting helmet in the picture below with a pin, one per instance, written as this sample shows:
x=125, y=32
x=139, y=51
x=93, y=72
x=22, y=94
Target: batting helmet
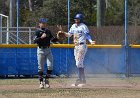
x=79, y=16
x=43, y=20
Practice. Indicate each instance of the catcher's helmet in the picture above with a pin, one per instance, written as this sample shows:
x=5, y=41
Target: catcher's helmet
x=79, y=16
x=43, y=20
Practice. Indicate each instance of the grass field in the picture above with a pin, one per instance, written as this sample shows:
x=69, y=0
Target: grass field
x=60, y=88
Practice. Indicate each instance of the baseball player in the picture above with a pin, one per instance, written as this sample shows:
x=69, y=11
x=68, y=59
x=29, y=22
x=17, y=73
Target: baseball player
x=80, y=34
x=44, y=55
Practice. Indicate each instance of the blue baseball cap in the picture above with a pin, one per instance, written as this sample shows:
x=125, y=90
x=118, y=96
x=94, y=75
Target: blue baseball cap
x=79, y=16
x=43, y=20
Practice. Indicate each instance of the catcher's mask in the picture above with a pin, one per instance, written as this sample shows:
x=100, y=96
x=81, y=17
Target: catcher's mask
x=43, y=20
x=79, y=16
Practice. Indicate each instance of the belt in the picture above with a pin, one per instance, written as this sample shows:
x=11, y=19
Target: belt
x=43, y=47
x=81, y=43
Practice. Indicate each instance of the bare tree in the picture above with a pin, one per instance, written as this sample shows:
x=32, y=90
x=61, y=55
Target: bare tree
x=30, y=5
x=100, y=12
x=12, y=12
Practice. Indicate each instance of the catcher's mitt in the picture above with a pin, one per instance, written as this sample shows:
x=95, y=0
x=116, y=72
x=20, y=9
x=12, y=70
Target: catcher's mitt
x=61, y=35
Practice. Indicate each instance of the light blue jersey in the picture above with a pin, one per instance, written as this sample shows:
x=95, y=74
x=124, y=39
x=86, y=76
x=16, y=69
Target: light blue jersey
x=80, y=33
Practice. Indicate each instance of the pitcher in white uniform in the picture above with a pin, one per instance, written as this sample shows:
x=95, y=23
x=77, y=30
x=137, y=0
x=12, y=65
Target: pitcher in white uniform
x=80, y=34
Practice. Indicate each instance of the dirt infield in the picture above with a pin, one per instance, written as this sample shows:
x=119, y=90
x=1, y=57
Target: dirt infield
x=61, y=88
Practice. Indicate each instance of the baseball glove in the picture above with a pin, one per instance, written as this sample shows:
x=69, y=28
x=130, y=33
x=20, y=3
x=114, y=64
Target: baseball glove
x=61, y=35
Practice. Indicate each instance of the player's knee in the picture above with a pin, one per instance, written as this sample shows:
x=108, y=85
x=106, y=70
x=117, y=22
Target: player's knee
x=40, y=68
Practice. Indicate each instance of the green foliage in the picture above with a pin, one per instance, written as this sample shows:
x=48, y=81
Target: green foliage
x=134, y=15
x=57, y=12
x=114, y=12
x=87, y=7
x=3, y=7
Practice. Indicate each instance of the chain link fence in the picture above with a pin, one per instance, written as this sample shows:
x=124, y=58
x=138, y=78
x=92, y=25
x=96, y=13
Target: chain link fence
x=26, y=35
x=103, y=35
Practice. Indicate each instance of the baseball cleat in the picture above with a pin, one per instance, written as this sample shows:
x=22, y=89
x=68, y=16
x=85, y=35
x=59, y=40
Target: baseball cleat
x=47, y=83
x=41, y=86
x=78, y=81
x=81, y=85
x=73, y=85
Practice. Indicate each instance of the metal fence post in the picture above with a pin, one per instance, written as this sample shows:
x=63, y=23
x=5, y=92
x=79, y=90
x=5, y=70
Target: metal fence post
x=7, y=35
x=30, y=36
x=67, y=51
x=17, y=3
x=0, y=29
x=126, y=40
x=68, y=19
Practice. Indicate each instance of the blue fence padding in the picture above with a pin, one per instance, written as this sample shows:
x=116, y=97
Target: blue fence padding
x=23, y=61
x=134, y=60
x=61, y=58
x=105, y=61
x=26, y=61
x=7, y=61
